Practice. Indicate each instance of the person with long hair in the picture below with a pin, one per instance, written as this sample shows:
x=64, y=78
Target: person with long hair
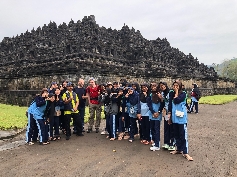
x=156, y=104
x=168, y=129
x=179, y=119
x=145, y=112
x=133, y=101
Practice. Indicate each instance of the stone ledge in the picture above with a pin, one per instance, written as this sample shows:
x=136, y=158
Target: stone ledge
x=8, y=134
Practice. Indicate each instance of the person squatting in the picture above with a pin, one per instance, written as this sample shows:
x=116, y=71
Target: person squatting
x=130, y=111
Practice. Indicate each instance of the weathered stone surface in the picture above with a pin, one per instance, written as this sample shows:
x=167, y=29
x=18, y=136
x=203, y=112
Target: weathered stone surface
x=34, y=59
x=85, y=48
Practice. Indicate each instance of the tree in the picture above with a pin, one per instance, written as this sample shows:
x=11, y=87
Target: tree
x=230, y=69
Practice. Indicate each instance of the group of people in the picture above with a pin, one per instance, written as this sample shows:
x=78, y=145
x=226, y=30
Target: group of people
x=130, y=110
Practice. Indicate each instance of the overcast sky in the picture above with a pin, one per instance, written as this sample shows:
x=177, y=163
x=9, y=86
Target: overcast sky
x=205, y=28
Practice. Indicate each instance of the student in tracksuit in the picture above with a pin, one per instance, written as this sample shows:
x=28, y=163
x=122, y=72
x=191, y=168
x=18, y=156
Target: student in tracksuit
x=134, y=111
x=53, y=115
x=50, y=110
x=145, y=112
x=124, y=121
x=168, y=128
x=121, y=126
x=58, y=104
x=156, y=105
x=39, y=115
x=115, y=98
x=32, y=126
x=138, y=129
x=106, y=100
x=180, y=120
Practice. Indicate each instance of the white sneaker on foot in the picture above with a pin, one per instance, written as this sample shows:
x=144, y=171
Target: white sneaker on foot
x=165, y=146
x=154, y=148
x=104, y=133
x=171, y=148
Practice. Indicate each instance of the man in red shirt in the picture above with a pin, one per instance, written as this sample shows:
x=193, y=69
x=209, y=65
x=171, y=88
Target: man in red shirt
x=93, y=92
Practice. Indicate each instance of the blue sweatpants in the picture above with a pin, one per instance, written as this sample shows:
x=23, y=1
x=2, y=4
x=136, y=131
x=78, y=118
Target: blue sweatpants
x=107, y=125
x=127, y=122
x=30, y=127
x=133, y=125
x=155, y=132
x=145, y=126
x=54, y=125
x=121, y=126
x=194, y=104
x=168, y=134
x=46, y=134
x=82, y=115
x=41, y=127
x=181, y=137
x=112, y=125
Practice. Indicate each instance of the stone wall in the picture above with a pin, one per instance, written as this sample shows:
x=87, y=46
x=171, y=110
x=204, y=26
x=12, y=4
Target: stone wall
x=21, y=91
x=39, y=82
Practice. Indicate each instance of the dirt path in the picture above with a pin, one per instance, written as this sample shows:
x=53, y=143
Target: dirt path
x=212, y=144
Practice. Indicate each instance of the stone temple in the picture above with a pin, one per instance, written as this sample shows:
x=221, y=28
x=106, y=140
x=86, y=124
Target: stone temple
x=84, y=47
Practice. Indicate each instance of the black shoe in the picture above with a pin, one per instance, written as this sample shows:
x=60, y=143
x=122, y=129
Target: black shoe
x=80, y=134
x=67, y=137
x=89, y=130
x=97, y=130
x=74, y=132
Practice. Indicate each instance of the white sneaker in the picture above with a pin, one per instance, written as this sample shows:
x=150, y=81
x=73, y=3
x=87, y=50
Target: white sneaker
x=153, y=144
x=154, y=148
x=104, y=133
x=165, y=146
x=171, y=148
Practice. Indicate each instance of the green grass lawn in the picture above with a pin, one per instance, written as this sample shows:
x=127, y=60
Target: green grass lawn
x=12, y=117
x=216, y=99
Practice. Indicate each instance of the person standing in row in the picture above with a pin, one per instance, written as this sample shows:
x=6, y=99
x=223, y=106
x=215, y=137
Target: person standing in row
x=156, y=104
x=179, y=119
x=71, y=103
x=195, y=96
x=81, y=93
x=93, y=92
x=168, y=128
x=145, y=112
x=134, y=107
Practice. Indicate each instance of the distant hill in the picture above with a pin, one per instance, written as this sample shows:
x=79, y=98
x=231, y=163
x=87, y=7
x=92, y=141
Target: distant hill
x=219, y=68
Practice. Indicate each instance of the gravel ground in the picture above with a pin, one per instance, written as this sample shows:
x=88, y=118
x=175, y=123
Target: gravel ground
x=212, y=144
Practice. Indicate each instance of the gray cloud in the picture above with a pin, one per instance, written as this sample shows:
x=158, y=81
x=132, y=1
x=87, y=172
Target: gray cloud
x=207, y=29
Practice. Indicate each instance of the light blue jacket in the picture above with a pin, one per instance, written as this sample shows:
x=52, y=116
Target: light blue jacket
x=132, y=110
x=144, y=109
x=182, y=108
x=38, y=112
x=156, y=109
x=194, y=99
